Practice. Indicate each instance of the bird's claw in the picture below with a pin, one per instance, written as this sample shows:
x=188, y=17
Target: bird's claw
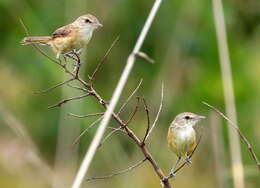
x=188, y=160
x=172, y=175
x=78, y=65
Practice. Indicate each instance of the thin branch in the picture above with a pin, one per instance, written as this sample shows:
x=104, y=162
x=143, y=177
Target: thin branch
x=148, y=120
x=86, y=130
x=110, y=134
x=118, y=173
x=113, y=128
x=78, y=88
x=130, y=97
x=53, y=87
x=241, y=135
x=88, y=115
x=134, y=112
x=158, y=114
x=67, y=100
x=92, y=77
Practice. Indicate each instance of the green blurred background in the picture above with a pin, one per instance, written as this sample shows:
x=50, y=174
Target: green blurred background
x=183, y=43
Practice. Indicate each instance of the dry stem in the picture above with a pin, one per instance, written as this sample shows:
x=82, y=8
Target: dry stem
x=118, y=173
x=241, y=135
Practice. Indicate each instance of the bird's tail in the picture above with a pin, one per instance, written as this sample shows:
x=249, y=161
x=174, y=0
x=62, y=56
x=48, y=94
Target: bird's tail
x=40, y=40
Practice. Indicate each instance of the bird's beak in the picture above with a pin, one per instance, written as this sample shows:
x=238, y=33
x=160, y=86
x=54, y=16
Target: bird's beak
x=99, y=25
x=200, y=117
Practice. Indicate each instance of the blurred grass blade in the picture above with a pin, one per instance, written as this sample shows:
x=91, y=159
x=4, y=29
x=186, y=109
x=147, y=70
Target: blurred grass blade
x=237, y=166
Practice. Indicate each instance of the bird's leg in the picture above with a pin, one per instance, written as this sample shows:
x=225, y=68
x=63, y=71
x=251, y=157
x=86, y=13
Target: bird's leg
x=78, y=51
x=70, y=55
x=77, y=57
x=187, y=159
x=172, y=173
x=78, y=63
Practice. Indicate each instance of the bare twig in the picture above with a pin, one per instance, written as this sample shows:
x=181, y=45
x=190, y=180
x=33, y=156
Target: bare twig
x=86, y=130
x=145, y=57
x=110, y=134
x=130, y=97
x=158, y=114
x=118, y=173
x=78, y=88
x=67, y=100
x=53, y=87
x=241, y=135
x=134, y=112
x=112, y=128
x=88, y=115
x=92, y=77
x=148, y=120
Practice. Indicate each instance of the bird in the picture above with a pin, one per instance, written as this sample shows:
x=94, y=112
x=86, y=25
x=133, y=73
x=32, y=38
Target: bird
x=182, y=136
x=69, y=38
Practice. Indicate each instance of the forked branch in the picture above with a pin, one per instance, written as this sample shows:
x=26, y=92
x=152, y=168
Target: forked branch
x=157, y=116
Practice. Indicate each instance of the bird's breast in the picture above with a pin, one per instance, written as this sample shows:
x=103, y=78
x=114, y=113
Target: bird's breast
x=181, y=140
x=85, y=35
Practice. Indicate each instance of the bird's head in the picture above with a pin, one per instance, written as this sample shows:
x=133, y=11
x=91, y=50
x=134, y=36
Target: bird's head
x=187, y=119
x=88, y=21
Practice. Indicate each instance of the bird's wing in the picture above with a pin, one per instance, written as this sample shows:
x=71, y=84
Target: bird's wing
x=173, y=124
x=62, y=31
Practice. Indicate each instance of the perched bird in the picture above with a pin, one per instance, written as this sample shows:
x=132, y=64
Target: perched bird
x=182, y=137
x=71, y=37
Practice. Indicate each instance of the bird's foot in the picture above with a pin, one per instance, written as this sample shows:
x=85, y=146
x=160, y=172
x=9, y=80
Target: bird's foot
x=172, y=175
x=78, y=64
x=188, y=160
x=78, y=52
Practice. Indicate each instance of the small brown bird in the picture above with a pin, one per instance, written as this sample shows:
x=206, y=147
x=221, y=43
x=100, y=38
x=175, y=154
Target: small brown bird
x=74, y=36
x=182, y=137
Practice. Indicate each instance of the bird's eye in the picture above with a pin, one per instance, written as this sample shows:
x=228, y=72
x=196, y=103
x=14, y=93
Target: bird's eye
x=87, y=21
x=187, y=117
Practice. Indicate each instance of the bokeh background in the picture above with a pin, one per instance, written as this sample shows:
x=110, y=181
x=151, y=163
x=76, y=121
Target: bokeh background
x=36, y=143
